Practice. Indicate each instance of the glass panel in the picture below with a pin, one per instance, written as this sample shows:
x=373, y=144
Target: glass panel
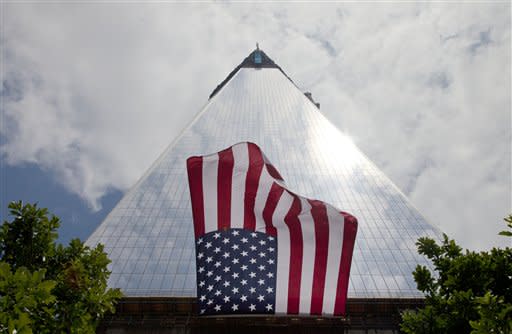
x=257, y=57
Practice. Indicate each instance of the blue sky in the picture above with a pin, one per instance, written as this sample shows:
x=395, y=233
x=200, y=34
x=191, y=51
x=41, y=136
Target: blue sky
x=93, y=93
x=33, y=185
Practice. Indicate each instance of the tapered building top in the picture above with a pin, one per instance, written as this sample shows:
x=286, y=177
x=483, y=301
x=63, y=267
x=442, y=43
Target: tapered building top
x=149, y=234
x=256, y=59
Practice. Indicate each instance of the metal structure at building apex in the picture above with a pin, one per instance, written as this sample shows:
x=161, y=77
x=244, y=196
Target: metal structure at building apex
x=149, y=234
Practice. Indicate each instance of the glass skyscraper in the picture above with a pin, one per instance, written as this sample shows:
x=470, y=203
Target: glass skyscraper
x=149, y=234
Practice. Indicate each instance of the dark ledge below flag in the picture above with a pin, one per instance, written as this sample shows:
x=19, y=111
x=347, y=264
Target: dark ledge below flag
x=161, y=315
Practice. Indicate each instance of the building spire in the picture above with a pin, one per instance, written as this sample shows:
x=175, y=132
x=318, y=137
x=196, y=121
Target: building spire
x=257, y=46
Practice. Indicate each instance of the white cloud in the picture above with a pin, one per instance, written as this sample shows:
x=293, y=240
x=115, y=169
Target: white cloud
x=95, y=92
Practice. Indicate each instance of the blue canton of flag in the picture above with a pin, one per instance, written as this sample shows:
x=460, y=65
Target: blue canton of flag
x=236, y=272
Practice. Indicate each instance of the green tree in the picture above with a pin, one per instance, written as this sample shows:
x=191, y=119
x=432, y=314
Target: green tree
x=46, y=287
x=470, y=292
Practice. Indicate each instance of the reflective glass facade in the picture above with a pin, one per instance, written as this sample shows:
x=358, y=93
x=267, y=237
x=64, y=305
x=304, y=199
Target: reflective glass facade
x=149, y=234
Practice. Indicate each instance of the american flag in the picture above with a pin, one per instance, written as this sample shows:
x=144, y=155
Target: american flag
x=260, y=248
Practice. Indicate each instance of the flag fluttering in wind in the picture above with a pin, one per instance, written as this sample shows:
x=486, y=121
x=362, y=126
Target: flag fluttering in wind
x=260, y=248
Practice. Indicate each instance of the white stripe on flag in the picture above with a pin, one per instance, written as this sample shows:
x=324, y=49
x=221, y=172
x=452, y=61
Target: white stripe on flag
x=210, y=177
x=336, y=227
x=283, y=252
x=265, y=184
x=308, y=256
x=241, y=159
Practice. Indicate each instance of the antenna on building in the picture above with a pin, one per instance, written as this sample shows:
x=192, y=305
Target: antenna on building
x=257, y=46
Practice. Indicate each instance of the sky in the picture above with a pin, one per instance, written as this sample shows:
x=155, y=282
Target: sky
x=92, y=93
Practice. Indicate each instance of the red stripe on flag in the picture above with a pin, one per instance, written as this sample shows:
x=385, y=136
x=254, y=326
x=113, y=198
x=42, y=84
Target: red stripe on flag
x=296, y=249
x=273, y=172
x=195, y=180
x=225, y=179
x=270, y=206
x=251, y=185
x=349, y=236
x=319, y=213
